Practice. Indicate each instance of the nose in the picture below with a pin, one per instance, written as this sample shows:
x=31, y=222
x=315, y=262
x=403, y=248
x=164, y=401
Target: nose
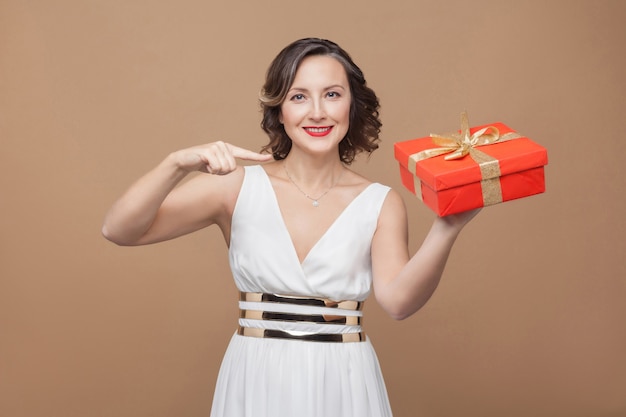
x=318, y=111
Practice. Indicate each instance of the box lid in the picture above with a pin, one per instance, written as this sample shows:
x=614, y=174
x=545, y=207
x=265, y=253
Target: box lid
x=440, y=174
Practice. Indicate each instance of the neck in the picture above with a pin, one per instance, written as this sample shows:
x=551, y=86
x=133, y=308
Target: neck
x=313, y=175
x=325, y=178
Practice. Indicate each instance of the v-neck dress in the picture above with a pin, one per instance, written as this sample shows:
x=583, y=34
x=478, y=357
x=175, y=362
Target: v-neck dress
x=278, y=377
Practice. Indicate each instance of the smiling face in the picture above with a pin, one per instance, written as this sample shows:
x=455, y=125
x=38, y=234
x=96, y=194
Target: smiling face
x=316, y=110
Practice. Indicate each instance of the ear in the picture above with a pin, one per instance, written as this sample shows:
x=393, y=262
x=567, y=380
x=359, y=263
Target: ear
x=280, y=116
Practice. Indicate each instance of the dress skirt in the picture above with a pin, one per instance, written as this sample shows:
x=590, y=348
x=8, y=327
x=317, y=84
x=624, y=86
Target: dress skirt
x=275, y=377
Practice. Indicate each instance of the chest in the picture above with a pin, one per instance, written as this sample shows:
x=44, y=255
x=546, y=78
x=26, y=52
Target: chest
x=306, y=223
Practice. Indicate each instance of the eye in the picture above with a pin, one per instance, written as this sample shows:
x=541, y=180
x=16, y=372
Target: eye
x=297, y=97
x=333, y=94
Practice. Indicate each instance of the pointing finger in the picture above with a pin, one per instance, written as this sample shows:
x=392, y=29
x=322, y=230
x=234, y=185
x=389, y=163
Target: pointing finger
x=249, y=155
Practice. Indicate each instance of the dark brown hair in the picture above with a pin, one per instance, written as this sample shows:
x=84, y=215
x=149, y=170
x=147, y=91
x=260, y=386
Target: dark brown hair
x=365, y=124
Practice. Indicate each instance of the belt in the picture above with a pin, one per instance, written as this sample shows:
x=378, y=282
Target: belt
x=271, y=300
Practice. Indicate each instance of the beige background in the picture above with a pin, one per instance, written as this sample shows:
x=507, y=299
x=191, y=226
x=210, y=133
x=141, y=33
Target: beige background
x=529, y=319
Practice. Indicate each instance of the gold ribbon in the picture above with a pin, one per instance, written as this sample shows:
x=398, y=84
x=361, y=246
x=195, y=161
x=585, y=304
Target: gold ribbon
x=463, y=143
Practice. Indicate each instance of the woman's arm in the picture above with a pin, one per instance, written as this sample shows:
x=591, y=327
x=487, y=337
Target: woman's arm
x=403, y=284
x=154, y=209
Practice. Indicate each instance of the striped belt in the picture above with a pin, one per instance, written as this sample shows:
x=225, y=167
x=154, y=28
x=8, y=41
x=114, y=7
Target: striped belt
x=275, y=310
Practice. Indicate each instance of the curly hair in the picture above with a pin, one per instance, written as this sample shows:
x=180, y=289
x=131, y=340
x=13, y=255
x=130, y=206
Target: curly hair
x=365, y=124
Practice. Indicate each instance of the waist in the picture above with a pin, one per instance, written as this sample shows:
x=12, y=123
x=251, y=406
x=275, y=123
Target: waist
x=300, y=318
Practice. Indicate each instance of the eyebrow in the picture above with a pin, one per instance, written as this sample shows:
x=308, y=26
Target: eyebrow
x=325, y=88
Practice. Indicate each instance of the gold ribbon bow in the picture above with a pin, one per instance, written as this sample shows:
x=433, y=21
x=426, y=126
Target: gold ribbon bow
x=460, y=144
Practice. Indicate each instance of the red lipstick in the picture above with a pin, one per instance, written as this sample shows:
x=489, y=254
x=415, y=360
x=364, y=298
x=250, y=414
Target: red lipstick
x=318, y=131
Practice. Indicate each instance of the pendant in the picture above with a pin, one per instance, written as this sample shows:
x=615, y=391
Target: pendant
x=315, y=203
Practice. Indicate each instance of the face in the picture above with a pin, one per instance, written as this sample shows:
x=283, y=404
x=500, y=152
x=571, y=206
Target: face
x=316, y=110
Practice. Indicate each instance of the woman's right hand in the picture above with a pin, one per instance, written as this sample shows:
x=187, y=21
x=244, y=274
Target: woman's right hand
x=155, y=209
x=218, y=158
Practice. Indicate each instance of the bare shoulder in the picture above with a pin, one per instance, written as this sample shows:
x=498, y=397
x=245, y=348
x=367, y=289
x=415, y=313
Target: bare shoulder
x=216, y=195
x=393, y=201
x=274, y=169
x=354, y=178
x=393, y=210
x=354, y=182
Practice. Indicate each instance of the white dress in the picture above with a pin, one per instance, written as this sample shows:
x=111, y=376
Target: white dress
x=269, y=377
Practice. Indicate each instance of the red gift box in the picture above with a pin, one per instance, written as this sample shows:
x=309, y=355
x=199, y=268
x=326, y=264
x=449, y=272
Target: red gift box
x=477, y=167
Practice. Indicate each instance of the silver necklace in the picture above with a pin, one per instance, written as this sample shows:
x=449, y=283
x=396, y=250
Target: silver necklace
x=315, y=201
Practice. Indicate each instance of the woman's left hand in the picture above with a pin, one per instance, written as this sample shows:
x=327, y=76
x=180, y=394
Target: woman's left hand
x=459, y=220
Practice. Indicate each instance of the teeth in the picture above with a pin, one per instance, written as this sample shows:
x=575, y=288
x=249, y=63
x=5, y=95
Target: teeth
x=317, y=129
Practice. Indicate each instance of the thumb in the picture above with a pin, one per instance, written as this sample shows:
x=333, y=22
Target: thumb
x=249, y=155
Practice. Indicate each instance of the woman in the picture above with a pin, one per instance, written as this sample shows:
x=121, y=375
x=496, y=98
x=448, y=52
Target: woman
x=307, y=238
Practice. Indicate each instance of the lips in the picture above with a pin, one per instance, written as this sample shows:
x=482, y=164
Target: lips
x=318, y=131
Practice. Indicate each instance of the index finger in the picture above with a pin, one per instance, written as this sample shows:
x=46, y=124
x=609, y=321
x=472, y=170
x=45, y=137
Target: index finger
x=249, y=155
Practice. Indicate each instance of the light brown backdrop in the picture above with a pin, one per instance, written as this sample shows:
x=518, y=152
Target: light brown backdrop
x=529, y=319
